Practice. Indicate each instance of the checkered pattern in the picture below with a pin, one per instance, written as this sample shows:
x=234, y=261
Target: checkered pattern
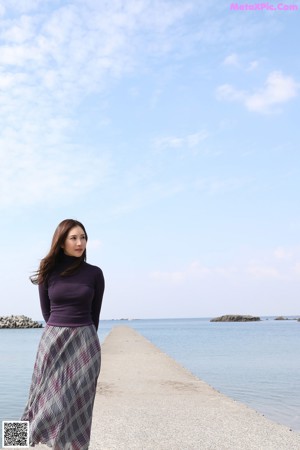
x=63, y=387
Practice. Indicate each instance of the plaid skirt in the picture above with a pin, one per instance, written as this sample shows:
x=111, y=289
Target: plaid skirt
x=63, y=387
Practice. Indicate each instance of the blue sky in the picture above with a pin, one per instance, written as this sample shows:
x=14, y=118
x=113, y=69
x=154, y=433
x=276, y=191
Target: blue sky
x=169, y=128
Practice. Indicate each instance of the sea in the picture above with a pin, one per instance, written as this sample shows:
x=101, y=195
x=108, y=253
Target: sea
x=256, y=363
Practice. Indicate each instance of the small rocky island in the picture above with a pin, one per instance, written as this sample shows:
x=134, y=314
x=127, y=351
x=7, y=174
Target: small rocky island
x=235, y=318
x=18, y=322
x=286, y=318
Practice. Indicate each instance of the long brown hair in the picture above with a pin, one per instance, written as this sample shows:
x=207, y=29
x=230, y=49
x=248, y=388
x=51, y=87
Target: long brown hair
x=55, y=254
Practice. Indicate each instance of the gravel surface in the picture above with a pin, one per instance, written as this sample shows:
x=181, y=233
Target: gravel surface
x=146, y=400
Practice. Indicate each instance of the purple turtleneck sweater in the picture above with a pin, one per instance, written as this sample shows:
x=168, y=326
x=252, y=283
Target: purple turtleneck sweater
x=74, y=300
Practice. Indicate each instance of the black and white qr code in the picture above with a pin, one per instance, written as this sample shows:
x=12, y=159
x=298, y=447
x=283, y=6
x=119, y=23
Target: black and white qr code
x=15, y=434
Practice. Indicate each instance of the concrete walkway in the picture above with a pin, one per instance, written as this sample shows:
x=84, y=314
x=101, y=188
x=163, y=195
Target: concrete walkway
x=145, y=400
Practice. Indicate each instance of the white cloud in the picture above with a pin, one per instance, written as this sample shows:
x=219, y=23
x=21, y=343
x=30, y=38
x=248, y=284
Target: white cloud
x=52, y=56
x=20, y=32
x=75, y=49
x=297, y=269
x=169, y=142
x=38, y=165
x=193, y=140
x=229, y=93
x=281, y=264
x=232, y=60
x=235, y=61
x=282, y=253
x=169, y=277
x=189, y=141
x=263, y=272
x=252, y=65
x=22, y=6
x=11, y=80
x=278, y=89
x=194, y=271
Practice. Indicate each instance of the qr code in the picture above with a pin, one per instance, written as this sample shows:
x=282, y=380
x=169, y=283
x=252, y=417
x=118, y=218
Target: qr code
x=15, y=434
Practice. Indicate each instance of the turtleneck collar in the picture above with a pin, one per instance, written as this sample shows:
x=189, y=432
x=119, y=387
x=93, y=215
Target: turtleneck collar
x=66, y=260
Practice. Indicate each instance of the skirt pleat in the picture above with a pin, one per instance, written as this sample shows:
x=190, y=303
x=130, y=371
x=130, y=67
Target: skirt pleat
x=63, y=387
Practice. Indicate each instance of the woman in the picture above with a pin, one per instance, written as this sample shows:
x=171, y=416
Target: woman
x=67, y=366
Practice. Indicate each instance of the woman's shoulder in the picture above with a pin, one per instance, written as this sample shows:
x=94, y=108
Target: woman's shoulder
x=92, y=269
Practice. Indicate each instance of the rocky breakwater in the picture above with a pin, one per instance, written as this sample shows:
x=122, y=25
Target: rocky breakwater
x=18, y=322
x=235, y=318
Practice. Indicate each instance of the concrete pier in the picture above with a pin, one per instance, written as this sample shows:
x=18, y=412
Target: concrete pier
x=146, y=400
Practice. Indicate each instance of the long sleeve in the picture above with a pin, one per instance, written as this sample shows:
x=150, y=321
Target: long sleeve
x=98, y=296
x=44, y=301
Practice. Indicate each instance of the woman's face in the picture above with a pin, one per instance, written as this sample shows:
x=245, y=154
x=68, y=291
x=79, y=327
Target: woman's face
x=75, y=242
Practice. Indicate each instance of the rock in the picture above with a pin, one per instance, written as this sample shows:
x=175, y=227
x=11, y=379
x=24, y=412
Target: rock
x=235, y=318
x=286, y=318
x=18, y=322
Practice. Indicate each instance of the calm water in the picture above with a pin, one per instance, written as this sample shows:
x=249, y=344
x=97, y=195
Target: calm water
x=257, y=363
